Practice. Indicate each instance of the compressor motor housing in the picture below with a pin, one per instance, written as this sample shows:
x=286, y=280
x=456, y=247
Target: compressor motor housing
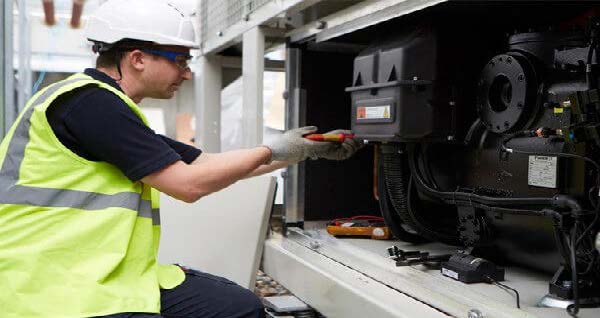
x=500, y=159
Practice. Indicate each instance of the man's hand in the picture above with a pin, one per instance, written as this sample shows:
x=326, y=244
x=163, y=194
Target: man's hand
x=335, y=150
x=293, y=147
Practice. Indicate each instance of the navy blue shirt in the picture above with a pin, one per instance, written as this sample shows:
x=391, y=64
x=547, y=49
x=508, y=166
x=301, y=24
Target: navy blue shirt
x=97, y=125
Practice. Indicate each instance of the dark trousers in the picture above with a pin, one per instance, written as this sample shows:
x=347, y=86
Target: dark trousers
x=207, y=296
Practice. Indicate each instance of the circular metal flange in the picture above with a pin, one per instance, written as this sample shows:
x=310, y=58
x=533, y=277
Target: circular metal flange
x=506, y=92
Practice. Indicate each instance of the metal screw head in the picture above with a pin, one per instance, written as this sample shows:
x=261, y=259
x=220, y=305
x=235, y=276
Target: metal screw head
x=474, y=313
x=321, y=25
x=220, y=33
x=416, y=78
x=314, y=245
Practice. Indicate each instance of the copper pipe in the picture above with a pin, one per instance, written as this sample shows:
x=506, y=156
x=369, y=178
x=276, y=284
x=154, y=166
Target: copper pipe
x=76, y=13
x=49, y=12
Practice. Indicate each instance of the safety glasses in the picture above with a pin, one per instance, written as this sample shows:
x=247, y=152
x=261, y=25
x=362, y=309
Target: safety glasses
x=180, y=59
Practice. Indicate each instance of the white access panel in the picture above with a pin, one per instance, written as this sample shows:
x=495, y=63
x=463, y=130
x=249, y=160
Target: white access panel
x=221, y=234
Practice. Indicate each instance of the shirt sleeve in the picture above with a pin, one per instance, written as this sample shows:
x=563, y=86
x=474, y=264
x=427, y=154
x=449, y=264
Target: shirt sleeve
x=107, y=129
x=188, y=153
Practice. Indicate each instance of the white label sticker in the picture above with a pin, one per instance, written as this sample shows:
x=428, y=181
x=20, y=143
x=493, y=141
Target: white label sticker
x=543, y=171
x=450, y=273
x=374, y=112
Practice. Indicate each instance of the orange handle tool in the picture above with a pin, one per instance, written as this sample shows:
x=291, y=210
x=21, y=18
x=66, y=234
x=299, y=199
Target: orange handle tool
x=329, y=137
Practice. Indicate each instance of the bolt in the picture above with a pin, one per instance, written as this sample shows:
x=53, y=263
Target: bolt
x=474, y=313
x=450, y=138
x=246, y=17
x=220, y=33
x=314, y=245
x=365, y=142
x=321, y=25
x=415, y=78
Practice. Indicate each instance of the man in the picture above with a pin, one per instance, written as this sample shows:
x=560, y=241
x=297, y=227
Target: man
x=79, y=224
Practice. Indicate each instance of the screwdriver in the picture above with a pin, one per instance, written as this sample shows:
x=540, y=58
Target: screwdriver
x=329, y=137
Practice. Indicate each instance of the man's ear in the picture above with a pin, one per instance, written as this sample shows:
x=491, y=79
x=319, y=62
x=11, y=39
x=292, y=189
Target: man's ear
x=137, y=59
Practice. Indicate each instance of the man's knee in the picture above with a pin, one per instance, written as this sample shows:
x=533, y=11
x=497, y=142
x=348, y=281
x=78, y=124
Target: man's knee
x=250, y=304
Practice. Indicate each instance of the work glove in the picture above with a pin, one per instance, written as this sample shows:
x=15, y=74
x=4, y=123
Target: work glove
x=336, y=150
x=293, y=147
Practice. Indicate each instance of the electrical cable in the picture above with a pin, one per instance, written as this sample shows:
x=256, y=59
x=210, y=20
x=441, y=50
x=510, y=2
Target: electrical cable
x=576, y=238
x=505, y=287
x=573, y=309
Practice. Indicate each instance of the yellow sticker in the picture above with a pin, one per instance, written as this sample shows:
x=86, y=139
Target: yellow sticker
x=558, y=110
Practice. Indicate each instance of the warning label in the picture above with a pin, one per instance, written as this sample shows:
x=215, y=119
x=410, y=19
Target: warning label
x=543, y=171
x=373, y=112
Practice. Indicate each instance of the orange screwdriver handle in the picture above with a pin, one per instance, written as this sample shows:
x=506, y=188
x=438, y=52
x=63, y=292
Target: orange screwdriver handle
x=329, y=137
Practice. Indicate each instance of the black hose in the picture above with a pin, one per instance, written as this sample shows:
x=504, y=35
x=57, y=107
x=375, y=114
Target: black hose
x=396, y=176
x=453, y=197
x=395, y=184
x=392, y=218
x=447, y=236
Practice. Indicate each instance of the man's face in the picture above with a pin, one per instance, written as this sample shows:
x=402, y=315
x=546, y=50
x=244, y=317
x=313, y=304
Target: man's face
x=166, y=70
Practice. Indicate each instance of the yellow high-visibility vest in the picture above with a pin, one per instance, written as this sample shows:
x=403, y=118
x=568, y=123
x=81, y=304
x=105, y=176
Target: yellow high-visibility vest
x=77, y=237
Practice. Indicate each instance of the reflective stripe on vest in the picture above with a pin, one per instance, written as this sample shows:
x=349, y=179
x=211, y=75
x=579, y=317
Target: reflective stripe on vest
x=12, y=193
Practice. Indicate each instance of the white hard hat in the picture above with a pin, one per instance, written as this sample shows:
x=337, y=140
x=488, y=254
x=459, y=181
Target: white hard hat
x=159, y=21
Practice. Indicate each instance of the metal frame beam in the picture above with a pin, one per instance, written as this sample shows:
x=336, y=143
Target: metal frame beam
x=334, y=289
x=253, y=67
x=224, y=38
x=25, y=81
x=361, y=15
x=6, y=67
x=295, y=116
x=208, y=109
x=236, y=63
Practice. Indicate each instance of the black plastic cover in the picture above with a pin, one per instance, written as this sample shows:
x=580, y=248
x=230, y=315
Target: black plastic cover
x=394, y=91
